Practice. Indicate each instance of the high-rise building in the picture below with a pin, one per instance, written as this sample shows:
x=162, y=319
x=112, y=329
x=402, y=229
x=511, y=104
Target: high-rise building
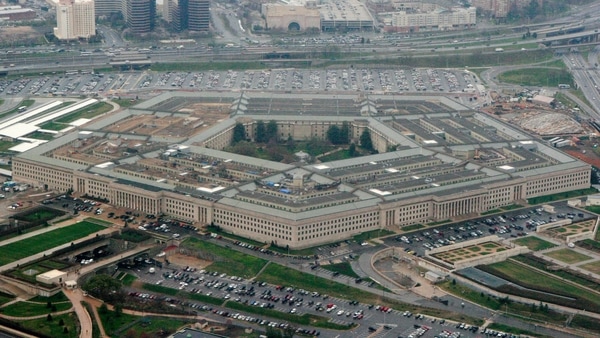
x=198, y=15
x=107, y=7
x=140, y=15
x=178, y=14
x=75, y=19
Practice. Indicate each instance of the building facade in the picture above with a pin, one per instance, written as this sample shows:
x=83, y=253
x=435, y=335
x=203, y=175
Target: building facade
x=140, y=15
x=75, y=20
x=443, y=165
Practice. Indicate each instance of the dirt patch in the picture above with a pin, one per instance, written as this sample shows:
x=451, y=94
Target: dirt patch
x=14, y=34
x=183, y=260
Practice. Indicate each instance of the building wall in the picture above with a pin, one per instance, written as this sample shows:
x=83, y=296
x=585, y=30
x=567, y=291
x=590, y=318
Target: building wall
x=281, y=16
x=75, y=19
x=106, y=7
x=440, y=20
x=198, y=15
x=140, y=15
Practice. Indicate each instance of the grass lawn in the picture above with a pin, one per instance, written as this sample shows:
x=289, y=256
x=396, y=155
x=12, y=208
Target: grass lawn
x=97, y=108
x=412, y=227
x=549, y=77
x=230, y=261
x=58, y=297
x=5, y=298
x=592, y=267
x=155, y=327
x=40, y=136
x=561, y=196
x=372, y=234
x=125, y=103
x=113, y=322
x=40, y=267
x=52, y=329
x=26, y=309
x=534, y=243
x=51, y=239
x=530, y=278
x=568, y=256
x=128, y=279
x=41, y=214
x=50, y=125
x=342, y=268
x=494, y=303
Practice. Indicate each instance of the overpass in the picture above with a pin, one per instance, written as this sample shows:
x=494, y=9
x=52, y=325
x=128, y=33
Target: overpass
x=571, y=39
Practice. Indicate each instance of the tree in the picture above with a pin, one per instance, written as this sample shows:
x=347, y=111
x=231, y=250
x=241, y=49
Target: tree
x=345, y=133
x=49, y=317
x=333, y=134
x=272, y=131
x=261, y=132
x=49, y=305
x=61, y=322
x=352, y=150
x=103, y=309
x=65, y=329
x=532, y=9
x=104, y=287
x=118, y=310
x=239, y=133
x=365, y=140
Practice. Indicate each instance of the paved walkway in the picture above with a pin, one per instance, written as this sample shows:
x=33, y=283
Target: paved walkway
x=85, y=321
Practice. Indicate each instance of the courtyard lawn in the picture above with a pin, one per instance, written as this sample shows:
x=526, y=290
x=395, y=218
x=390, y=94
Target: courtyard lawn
x=230, y=261
x=52, y=328
x=42, y=242
x=592, y=267
x=534, y=243
x=568, y=256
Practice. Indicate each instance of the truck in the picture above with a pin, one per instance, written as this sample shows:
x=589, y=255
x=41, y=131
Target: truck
x=499, y=50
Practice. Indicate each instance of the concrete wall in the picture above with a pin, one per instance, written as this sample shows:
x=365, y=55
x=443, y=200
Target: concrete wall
x=547, y=226
x=491, y=258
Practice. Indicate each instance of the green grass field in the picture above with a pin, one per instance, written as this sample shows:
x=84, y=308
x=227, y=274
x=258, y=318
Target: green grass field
x=51, y=239
x=97, y=108
x=342, y=268
x=549, y=77
x=26, y=309
x=52, y=328
x=530, y=278
x=534, y=243
x=568, y=256
x=230, y=261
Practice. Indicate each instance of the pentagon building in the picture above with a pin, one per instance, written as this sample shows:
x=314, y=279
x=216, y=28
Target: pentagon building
x=437, y=160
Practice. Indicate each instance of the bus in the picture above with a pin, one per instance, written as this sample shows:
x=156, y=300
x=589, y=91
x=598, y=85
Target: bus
x=71, y=72
x=86, y=53
x=22, y=108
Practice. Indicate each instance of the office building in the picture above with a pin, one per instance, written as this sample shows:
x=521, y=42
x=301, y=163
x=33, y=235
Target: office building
x=75, y=19
x=140, y=15
x=437, y=160
x=198, y=15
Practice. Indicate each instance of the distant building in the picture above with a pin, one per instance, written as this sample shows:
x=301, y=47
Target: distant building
x=16, y=13
x=140, y=15
x=198, y=19
x=438, y=19
x=193, y=15
x=75, y=19
x=296, y=18
x=107, y=7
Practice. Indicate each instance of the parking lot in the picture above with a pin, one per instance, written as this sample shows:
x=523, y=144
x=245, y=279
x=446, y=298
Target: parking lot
x=343, y=79
x=374, y=320
x=510, y=224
